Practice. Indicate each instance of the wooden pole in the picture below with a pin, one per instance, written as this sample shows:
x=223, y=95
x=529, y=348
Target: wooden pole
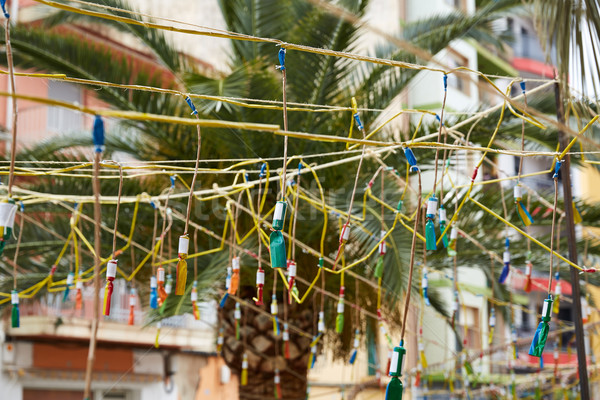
x=96, y=315
x=570, y=225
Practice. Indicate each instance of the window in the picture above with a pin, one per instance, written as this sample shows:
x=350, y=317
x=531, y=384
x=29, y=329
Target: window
x=458, y=4
x=458, y=80
x=62, y=120
x=470, y=319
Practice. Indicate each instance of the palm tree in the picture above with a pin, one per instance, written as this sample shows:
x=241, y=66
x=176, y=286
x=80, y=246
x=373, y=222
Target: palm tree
x=311, y=79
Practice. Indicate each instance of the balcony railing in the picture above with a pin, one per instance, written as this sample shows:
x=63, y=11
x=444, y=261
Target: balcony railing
x=528, y=46
x=54, y=305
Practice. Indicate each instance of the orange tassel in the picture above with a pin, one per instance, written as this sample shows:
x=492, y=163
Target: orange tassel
x=235, y=276
x=184, y=242
x=111, y=273
x=78, y=295
x=160, y=277
x=132, y=298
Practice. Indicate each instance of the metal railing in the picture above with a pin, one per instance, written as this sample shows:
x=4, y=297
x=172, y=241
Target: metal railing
x=55, y=305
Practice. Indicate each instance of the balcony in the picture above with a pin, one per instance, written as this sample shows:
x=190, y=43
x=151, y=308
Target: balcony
x=51, y=317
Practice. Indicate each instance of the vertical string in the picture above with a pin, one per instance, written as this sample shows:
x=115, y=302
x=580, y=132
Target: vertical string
x=296, y=201
x=191, y=196
x=439, y=138
x=552, y=232
x=285, y=119
x=13, y=144
x=154, y=228
x=97, y=249
x=412, y=258
x=196, y=257
x=114, y=242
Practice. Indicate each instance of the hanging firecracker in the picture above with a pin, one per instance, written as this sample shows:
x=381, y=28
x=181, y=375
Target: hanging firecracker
x=227, y=286
x=194, y=298
x=276, y=240
x=15, y=316
x=244, y=377
x=8, y=211
x=220, y=340
x=153, y=293
x=395, y=388
x=339, y=320
x=111, y=273
x=557, y=293
x=528, y=272
x=286, y=341
x=160, y=277
x=78, y=294
x=492, y=324
x=425, y=286
x=524, y=215
x=453, y=240
x=235, y=276
x=237, y=316
x=277, y=382
x=541, y=333
x=291, y=278
x=506, y=260
x=321, y=322
x=181, y=274
x=443, y=223
x=382, y=245
x=355, y=345
x=132, y=300
x=274, y=312
x=430, y=238
x=260, y=284
x=313, y=355
x=156, y=339
x=69, y=285
x=421, y=347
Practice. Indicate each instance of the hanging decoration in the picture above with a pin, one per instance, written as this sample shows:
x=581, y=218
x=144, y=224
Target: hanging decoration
x=286, y=341
x=160, y=278
x=181, y=274
x=522, y=212
x=68, y=285
x=14, y=300
x=244, y=377
x=277, y=382
x=132, y=302
x=425, y=286
x=111, y=273
x=234, y=280
x=111, y=267
x=339, y=320
x=79, y=294
x=276, y=240
x=541, y=333
x=194, y=299
x=260, y=273
x=355, y=345
x=395, y=388
x=443, y=223
x=506, y=260
x=453, y=240
x=430, y=238
x=274, y=312
x=237, y=316
x=528, y=272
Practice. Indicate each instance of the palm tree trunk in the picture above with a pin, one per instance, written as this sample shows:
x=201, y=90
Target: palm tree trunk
x=265, y=352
